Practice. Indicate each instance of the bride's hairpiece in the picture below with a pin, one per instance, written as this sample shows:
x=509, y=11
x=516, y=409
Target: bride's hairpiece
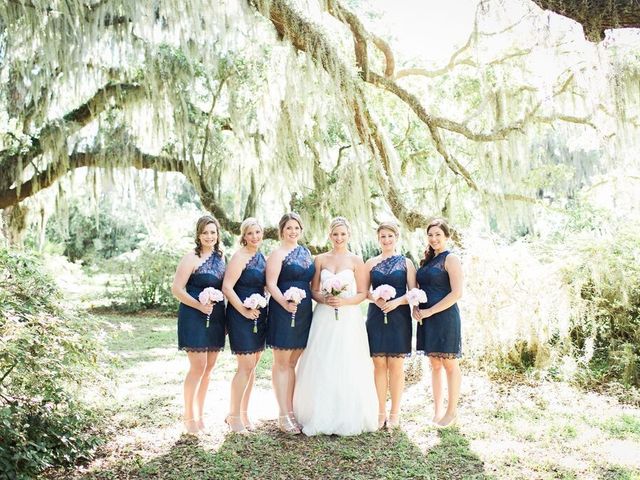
x=339, y=222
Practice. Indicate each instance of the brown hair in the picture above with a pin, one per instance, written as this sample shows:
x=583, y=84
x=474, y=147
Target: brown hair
x=441, y=223
x=246, y=225
x=201, y=224
x=285, y=218
x=391, y=226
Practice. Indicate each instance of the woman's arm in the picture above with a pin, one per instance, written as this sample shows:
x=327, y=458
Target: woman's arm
x=316, y=288
x=180, y=279
x=231, y=276
x=274, y=266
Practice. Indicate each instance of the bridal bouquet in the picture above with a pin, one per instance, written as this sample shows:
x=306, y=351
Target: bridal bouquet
x=385, y=292
x=416, y=296
x=333, y=287
x=209, y=296
x=295, y=295
x=255, y=301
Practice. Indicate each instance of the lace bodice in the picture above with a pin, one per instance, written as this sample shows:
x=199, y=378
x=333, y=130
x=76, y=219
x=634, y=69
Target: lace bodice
x=434, y=279
x=253, y=274
x=346, y=276
x=209, y=273
x=297, y=267
x=391, y=271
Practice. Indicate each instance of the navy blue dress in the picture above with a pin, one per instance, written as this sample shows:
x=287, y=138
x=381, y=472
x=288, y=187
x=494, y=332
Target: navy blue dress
x=297, y=271
x=392, y=339
x=193, y=334
x=440, y=334
x=242, y=338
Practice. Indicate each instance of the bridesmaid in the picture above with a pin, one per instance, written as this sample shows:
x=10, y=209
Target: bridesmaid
x=245, y=276
x=204, y=267
x=439, y=333
x=289, y=265
x=389, y=343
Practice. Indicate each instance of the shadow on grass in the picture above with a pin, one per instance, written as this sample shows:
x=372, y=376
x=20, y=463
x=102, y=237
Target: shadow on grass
x=270, y=454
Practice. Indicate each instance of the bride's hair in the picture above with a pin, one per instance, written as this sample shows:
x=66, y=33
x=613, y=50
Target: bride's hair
x=246, y=225
x=391, y=226
x=339, y=222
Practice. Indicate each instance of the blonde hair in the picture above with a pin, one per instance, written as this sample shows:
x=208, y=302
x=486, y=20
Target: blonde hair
x=285, y=218
x=391, y=226
x=246, y=224
x=339, y=222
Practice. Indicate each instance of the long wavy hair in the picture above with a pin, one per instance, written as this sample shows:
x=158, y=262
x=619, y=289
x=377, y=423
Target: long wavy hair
x=441, y=223
x=201, y=224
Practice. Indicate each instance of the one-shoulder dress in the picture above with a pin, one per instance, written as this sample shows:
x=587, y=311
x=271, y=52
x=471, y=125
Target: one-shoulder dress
x=392, y=339
x=248, y=336
x=440, y=334
x=193, y=334
x=297, y=271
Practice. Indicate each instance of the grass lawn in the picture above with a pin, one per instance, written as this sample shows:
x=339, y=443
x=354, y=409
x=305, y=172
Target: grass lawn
x=543, y=430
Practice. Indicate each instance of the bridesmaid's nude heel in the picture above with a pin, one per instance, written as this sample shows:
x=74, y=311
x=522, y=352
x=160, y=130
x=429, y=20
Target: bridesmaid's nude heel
x=382, y=420
x=394, y=420
x=235, y=424
x=294, y=420
x=286, y=425
x=248, y=425
x=191, y=426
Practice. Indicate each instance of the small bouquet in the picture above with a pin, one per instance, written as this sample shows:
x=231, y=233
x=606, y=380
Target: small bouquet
x=385, y=292
x=209, y=296
x=416, y=296
x=255, y=301
x=295, y=295
x=333, y=287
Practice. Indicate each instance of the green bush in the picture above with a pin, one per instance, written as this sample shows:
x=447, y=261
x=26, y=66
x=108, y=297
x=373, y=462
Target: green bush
x=47, y=352
x=606, y=282
x=148, y=274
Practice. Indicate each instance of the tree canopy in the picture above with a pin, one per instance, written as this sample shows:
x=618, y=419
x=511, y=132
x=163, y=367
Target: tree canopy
x=303, y=105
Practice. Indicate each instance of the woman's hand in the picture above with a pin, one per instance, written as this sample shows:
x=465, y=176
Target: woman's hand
x=419, y=315
x=390, y=305
x=335, y=302
x=251, y=313
x=290, y=307
x=206, y=309
x=380, y=302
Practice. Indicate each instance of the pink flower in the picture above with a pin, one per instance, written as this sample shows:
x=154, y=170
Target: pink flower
x=210, y=295
x=384, y=291
x=416, y=296
x=332, y=287
x=295, y=295
x=255, y=301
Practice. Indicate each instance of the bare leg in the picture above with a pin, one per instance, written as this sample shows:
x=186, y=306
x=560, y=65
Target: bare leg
x=244, y=405
x=280, y=375
x=239, y=384
x=396, y=380
x=436, y=386
x=454, y=378
x=380, y=376
x=291, y=384
x=203, y=387
x=197, y=366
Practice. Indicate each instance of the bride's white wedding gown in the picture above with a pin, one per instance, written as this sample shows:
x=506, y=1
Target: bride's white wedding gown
x=335, y=391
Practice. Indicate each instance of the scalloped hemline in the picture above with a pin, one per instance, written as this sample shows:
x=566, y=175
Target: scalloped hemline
x=273, y=347
x=247, y=352
x=449, y=356
x=392, y=355
x=201, y=349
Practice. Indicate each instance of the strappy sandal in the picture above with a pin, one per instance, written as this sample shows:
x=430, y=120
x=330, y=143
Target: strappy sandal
x=382, y=420
x=234, y=422
x=249, y=425
x=286, y=425
x=191, y=426
x=394, y=420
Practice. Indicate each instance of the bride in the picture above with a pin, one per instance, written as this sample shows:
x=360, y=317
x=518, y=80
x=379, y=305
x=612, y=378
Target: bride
x=335, y=390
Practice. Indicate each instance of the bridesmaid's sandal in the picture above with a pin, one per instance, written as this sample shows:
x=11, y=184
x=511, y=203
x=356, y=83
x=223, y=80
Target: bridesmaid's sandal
x=294, y=420
x=248, y=424
x=191, y=426
x=201, y=426
x=382, y=420
x=286, y=425
x=394, y=421
x=235, y=424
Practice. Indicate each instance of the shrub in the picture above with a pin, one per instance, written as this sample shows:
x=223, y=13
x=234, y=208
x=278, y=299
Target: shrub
x=47, y=353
